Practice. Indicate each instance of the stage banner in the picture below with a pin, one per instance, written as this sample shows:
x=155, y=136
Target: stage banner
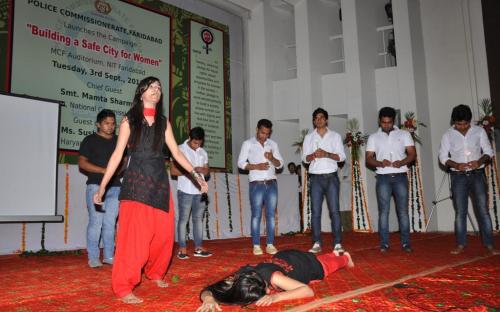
x=89, y=54
x=206, y=89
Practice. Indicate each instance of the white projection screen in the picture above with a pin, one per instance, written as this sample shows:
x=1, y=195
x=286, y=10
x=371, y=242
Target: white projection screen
x=29, y=130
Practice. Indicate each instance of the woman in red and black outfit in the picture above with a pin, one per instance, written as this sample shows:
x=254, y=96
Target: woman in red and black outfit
x=289, y=272
x=146, y=218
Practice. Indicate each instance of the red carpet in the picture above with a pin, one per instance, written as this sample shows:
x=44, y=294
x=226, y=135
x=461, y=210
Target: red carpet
x=470, y=287
x=65, y=283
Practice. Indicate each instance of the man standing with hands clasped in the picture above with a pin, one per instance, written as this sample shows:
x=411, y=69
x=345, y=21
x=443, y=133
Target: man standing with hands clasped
x=261, y=156
x=390, y=150
x=323, y=149
x=465, y=149
x=189, y=194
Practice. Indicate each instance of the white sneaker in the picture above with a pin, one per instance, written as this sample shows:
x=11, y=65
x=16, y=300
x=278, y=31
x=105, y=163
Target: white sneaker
x=257, y=250
x=315, y=248
x=95, y=263
x=270, y=249
x=338, y=248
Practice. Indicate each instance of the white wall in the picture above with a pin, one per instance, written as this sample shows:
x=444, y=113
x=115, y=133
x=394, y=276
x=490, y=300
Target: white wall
x=286, y=129
x=333, y=88
x=285, y=99
x=259, y=82
x=387, y=86
x=323, y=22
x=280, y=38
x=413, y=69
x=478, y=64
x=285, y=133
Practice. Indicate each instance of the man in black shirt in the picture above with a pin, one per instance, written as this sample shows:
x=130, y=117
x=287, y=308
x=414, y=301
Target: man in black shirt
x=95, y=151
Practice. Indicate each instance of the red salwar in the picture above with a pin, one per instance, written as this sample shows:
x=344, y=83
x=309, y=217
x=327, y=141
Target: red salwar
x=145, y=238
x=331, y=263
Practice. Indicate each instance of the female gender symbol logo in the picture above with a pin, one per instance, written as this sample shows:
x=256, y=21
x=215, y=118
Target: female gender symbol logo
x=207, y=37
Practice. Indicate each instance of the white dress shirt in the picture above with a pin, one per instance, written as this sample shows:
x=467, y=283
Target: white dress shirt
x=464, y=148
x=390, y=146
x=198, y=158
x=331, y=142
x=252, y=152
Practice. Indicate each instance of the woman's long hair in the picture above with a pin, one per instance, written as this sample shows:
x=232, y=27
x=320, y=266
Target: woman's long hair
x=242, y=288
x=137, y=116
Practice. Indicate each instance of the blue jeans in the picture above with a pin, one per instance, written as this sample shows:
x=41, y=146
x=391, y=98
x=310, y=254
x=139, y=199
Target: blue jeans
x=188, y=203
x=263, y=195
x=325, y=185
x=474, y=184
x=102, y=222
x=397, y=185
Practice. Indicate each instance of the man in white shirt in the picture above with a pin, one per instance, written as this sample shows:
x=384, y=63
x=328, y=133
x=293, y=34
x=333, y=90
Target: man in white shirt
x=465, y=149
x=390, y=150
x=322, y=150
x=189, y=195
x=261, y=156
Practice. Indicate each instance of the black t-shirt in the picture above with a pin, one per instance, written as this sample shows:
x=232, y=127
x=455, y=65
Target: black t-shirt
x=299, y=265
x=98, y=150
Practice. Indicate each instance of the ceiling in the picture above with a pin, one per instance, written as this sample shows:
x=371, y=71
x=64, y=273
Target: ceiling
x=237, y=7
x=245, y=7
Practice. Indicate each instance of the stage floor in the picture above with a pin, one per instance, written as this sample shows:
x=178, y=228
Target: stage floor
x=429, y=279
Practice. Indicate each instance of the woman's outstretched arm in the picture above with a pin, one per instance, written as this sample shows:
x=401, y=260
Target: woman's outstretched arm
x=209, y=303
x=293, y=289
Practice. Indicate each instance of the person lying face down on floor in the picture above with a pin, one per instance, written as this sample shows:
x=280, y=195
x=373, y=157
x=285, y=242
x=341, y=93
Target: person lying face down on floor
x=288, y=272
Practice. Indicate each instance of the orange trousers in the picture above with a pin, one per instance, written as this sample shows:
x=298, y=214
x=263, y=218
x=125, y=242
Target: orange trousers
x=145, y=239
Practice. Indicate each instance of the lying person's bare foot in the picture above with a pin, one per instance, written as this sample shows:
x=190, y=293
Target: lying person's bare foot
x=161, y=283
x=131, y=299
x=350, y=263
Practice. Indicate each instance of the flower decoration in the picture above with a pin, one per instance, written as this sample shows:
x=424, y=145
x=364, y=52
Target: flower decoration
x=298, y=144
x=354, y=138
x=228, y=196
x=487, y=120
x=411, y=124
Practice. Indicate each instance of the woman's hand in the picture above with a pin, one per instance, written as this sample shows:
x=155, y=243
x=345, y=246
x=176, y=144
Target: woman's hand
x=98, y=196
x=266, y=300
x=209, y=305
